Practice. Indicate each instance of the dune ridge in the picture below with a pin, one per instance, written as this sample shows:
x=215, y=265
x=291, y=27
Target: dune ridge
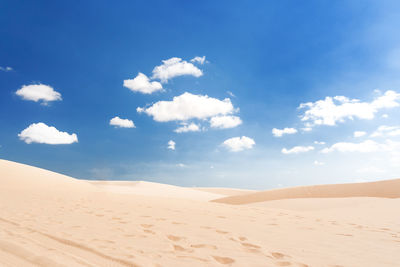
x=379, y=189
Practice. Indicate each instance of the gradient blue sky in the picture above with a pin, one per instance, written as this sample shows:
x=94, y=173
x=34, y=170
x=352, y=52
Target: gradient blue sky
x=272, y=55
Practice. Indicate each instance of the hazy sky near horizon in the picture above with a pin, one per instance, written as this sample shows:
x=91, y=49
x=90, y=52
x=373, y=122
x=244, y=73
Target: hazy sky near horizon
x=253, y=94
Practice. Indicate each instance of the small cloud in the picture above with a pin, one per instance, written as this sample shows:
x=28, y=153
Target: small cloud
x=200, y=60
x=319, y=143
x=385, y=116
x=318, y=163
x=297, y=149
x=175, y=67
x=306, y=129
x=171, y=145
x=366, y=146
x=181, y=165
x=187, y=128
x=43, y=134
x=6, y=69
x=141, y=83
x=38, y=92
x=359, y=134
x=224, y=122
x=122, y=123
x=236, y=144
x=230, y=93
x=279, y=133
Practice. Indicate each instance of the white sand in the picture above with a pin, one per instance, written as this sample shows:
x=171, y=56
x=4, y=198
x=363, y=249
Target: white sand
x=47, y=219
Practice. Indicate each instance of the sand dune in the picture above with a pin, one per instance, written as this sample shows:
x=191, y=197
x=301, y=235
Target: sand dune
x=383, y=189
x=48, y=219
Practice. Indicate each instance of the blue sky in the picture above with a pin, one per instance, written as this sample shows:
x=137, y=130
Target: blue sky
x=265, y=58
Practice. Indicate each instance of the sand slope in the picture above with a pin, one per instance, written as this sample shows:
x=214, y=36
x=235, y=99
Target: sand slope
x=384, y=189
x=48, y=219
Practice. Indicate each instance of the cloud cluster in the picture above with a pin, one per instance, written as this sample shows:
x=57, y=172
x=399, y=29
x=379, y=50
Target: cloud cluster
x=175, y=67
x=279, y=133
x=188, y=106
x=122, y=123
x=192, y=127
x=224, y=122
x=141, y=83
x=339, y=108
x=38, y=92
x=297, y=149
x=171, y=145
x=236, y=144
x=363, y=147
x=43, y=134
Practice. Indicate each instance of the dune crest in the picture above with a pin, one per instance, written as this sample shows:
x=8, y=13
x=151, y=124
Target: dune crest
x=380, y=189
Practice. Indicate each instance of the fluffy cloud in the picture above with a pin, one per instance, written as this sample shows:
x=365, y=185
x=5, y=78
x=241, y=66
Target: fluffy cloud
x=224, y=122
x=192, y=127
x=38, y=92
x=122, y=123
x=359, y=133
x=188, y=106
x=6, y=69
x=171, y=145
x=236, y=144
x=386, y=131
x=339, y=108
x=175, y=67
x=141, y=83
x=43, y=134
x=297, y=149
x=279, y=133
x=200, y=60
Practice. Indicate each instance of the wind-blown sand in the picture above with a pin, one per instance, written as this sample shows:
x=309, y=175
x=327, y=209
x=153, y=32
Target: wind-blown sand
x=48, y=219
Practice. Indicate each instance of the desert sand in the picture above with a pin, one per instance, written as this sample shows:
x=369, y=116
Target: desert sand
x=48, y=219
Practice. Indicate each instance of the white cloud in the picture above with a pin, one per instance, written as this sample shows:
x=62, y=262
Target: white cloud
x=385, y=116
x=122, y=123
x=230, y=93
x=38, y=92
x=224, y=122
x=171, y=145
x=339, y=108
x=200, y=60
x=359, y=133
x=141, y=83
x=236, y=144
x=278, y=133
x=364, y=147
x=319, y=143
x=175, y=67
x=386, y=131
x=318, y=163
x=43, y=134
x=6, y=69
x=188, y=106
x=192, y=127
x=297, y=149
x=307, y=129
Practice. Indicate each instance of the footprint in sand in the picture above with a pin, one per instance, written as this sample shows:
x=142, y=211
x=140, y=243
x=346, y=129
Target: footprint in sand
x=174, y=238
x=221, y=232
x=203, y=246
x=248, y=245
x=224, y=260
x=278, y=255
x=242, y=238
x=182, y=249
x=283, y=263
x=146, y=225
